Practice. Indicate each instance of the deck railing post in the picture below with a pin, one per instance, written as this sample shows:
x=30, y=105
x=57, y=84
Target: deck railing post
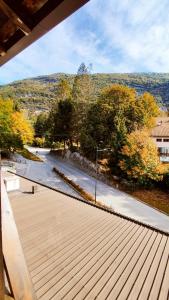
x=2, y=287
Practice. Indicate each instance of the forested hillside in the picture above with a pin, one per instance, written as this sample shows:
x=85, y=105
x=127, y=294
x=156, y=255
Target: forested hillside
x=38, y=93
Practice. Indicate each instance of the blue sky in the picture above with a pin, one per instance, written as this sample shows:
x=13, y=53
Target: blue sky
x=113, y=35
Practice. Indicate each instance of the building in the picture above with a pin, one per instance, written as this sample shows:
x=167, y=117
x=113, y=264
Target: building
x=160, y=135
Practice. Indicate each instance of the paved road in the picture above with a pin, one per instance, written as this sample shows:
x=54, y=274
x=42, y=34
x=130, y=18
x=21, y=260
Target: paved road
x=119, y=201
x=42, y=172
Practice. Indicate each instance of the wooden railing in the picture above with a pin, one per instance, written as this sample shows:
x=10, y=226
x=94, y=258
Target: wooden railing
x=12, y=261
x=2, y=286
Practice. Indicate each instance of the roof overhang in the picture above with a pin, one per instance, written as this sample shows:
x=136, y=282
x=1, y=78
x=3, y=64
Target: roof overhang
x=23, y=22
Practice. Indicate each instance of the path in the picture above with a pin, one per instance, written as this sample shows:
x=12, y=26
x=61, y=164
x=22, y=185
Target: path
x=118, y=200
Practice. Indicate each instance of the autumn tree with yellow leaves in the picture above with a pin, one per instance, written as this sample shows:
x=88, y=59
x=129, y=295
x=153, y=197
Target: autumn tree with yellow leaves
x=118, y=112
x=140, y=160
x=15, y=130
x=22, y=127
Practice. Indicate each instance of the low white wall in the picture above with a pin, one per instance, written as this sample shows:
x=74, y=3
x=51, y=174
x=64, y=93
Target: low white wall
x=12, y=183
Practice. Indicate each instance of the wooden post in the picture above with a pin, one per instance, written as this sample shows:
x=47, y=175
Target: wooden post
x=2, y=287
x=16, y=268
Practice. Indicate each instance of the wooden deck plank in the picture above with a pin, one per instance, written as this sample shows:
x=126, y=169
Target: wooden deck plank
x=69, y=241
x=105, y=262
x=164, y=292
x=132, y=271
x=102, y=287
x=65, y=250
x=61, y=238
x=64, y=229
x=81, y=277
x=160, y=274
x=152, y=271
x=146, y=264
x=85, y=262
x=119, y=279
x=66, y=246
x=75, y=251
x=73, y=260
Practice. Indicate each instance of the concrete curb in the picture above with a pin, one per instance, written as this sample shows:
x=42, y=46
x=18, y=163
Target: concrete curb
x=88, y=197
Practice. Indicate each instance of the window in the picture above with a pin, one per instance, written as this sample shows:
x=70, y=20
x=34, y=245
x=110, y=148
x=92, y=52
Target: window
x=159, y=140
x=165, y=140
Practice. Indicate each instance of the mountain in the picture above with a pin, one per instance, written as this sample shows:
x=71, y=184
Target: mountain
x=38, y=93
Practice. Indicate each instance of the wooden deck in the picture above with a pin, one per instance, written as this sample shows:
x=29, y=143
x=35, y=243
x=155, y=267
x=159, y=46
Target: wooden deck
x=76, y=251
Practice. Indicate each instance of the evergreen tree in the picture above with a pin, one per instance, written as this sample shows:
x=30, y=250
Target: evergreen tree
x=63, y=90
x=41, y=125
x=82, y=93
x=62, y=117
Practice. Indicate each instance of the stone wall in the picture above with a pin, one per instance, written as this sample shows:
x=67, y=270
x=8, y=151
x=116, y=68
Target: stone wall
x=85, y=164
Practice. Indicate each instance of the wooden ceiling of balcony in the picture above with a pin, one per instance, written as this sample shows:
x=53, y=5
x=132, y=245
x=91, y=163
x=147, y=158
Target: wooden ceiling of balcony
x=24, y=21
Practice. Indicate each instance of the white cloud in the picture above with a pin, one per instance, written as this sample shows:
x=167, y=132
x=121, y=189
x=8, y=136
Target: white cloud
x=138, y=30
x=61, y=50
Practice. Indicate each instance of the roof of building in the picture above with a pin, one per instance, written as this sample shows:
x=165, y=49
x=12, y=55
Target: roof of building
x=161, y=130
x=76, y=251
x=163, y=120
x=24, y=21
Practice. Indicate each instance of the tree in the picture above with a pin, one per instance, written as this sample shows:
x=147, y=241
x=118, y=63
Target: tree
x=63, y=90
x=80, y=90
x=6, y=110
x=62, y=117
x=82, y=93
x=126, y=112
x=122, y=102
x=21, y=127
x=94, y=130
x=140, y=160
x=41, y=125
x=14, y=129
x=145, y=111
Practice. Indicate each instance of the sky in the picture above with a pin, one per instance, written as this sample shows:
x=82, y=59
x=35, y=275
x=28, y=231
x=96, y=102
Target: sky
x=115, y=36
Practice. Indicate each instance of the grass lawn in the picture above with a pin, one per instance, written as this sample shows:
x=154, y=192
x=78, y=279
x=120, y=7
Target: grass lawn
x=28, y=155
x=155, y=197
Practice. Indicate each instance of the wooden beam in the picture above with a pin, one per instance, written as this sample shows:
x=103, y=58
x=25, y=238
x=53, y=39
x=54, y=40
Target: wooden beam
x=19, y=277
x=57, y=15
x=8, y=297
x=2, y=50
x=15, y=18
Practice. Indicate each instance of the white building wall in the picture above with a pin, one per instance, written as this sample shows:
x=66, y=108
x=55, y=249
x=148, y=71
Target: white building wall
x=161, y=144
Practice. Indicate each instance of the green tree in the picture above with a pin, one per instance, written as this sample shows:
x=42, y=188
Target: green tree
x=41, y=125
x=61, y=91
x=82, y=93
x=94, y=130
x=81, y=85
x=62, y=116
